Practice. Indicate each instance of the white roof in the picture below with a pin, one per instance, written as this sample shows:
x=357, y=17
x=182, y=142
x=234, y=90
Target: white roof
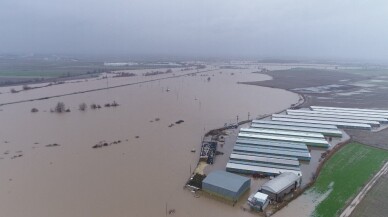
x=282, y=132
x=261, y=197
x=284, y=123
x=268, y=159
x=358, y=121
x=259, y=169
x=295, y=128
x=337, y=123
x=281, y=182
x=336, y=116
x=351, y=109
x=338, y=112
x=285, y=138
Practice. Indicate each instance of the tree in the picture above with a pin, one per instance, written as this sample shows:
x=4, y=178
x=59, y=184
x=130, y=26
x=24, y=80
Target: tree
x=26, y=87
x=60, y=107
x=83, y=106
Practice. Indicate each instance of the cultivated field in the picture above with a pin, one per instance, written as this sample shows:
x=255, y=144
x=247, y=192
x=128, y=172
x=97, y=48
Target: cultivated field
x=374, y=203
x=345, y=174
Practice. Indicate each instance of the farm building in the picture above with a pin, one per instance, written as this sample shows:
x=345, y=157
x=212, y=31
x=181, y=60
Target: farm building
x=281, y=185
x=226, y=185
x=371, y=111
x=265, y=160
x=323, y=131
x=335, y=123
x=319, y=142
x=293, y=124
x=282, y=132
x=251, y=169
x=299, y=154
x=271, y=144
x=258, y=201
x=337, y=113
x=339, y=117
x=345, y=121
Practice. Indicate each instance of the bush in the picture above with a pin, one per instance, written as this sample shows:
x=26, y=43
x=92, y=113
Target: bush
x=83, y=106
x=60, y=107
x=26, y=87
x=13, y=90
x=34, y=110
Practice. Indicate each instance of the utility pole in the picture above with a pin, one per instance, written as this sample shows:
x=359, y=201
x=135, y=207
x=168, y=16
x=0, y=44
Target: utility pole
x=249, y=114
x=237, y=119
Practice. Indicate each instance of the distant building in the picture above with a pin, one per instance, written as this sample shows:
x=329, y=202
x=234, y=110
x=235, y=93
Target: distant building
x=281, y=185
x=258, y=201
x=226, y=185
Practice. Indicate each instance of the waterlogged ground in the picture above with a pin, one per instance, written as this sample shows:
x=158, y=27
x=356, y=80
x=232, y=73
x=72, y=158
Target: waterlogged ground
x=144, y=173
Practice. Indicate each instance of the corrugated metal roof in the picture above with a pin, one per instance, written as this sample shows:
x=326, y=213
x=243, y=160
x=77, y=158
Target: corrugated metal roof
x=265, y=155
x=339, y=124
x=307, y=141
x=273, y=148
x=339, y=117
x=327, y=119
x=281, y=182
x=271, y=143
x=257, y=169
x=294, y=128
x=264, y=159
x=338, y=112
x=225, y=180
x=289, y=153
x=282, y=132
x=276, y=166
x=351, y=109
x=284, y=123
x=352, y=112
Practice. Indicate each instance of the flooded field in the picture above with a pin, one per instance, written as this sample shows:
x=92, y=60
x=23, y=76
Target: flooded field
x=143, y=171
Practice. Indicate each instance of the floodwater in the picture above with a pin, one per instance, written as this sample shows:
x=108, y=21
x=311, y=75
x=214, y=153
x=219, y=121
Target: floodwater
x=141, y=176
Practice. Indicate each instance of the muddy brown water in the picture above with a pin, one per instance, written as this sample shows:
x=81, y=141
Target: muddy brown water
x=137, y=177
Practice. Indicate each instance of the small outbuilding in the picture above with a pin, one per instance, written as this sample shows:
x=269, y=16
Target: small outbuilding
x=281, y=185
x=258, y=201
x=226, y=185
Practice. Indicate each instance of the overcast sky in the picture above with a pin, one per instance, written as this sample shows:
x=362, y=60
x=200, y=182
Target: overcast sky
x=209, y=28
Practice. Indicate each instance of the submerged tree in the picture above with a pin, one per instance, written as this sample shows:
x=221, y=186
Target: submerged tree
x=83, y=106
x=60, y=107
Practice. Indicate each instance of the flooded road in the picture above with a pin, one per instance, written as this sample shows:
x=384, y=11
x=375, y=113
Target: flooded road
x=146, y=171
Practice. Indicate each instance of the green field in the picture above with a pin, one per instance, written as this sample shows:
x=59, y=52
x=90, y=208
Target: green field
x=347, y=171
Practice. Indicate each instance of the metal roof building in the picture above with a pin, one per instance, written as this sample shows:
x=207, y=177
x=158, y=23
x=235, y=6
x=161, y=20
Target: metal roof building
x=325, y=132
x=265, y=160
x=336, y=123
x=271, y=144
x=284, y=123
x=226, y=185
x=281, y=185
x=265, y=155
x=282, y=132
x=275, y=166
x=250, y=169
x=378, y=111
x=338, y=112
x=339, y=117
x=308, y=141
x=286, y=153
x=372, y=123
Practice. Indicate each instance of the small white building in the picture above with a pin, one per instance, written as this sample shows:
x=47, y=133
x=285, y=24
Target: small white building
x=258, y=201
